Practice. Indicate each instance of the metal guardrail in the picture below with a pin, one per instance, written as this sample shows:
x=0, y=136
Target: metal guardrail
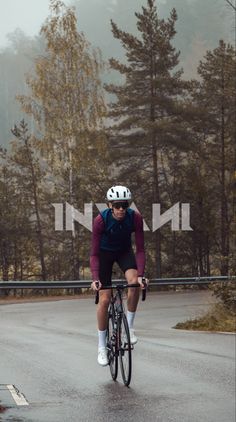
x=182, y=281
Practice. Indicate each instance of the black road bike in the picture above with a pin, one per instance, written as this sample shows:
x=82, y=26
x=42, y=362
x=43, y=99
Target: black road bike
x=118, y=336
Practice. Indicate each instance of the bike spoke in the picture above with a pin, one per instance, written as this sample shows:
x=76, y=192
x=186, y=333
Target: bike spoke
x=112, y=345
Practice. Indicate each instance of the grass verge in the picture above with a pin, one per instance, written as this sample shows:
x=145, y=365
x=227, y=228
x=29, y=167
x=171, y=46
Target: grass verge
x=218, y=318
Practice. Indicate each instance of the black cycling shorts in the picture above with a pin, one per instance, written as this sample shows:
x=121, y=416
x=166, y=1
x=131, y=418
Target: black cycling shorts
x=126, y=261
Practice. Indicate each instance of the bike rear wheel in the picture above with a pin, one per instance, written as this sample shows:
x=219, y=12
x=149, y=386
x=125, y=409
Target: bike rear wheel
x=125, y=351
x=112, y=351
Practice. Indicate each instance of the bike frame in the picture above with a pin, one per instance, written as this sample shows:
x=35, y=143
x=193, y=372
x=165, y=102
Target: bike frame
x=118, y=309
x=116, y=346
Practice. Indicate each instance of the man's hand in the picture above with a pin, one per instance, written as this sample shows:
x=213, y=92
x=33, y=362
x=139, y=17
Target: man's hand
x=140, y=281
x=96, y=285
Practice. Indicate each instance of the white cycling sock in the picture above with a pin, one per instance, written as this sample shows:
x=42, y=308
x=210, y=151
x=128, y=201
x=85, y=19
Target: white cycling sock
x=130, y=318
x=102, y=338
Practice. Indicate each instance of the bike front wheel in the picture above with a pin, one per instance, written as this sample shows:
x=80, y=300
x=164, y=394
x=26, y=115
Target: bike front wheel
x=112, y=351
x=125, y=350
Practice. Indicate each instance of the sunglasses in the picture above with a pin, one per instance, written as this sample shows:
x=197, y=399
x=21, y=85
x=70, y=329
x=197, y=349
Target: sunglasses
x=118, y=205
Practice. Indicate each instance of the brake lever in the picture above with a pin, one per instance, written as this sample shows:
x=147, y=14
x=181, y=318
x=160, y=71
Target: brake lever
x=97, y=294
x=144, y=291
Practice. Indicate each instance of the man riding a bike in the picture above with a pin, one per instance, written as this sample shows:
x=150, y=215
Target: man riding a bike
x=111, y=242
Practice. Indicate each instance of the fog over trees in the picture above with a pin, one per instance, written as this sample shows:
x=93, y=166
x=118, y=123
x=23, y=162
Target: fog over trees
x=200, y=26
x=115, y=91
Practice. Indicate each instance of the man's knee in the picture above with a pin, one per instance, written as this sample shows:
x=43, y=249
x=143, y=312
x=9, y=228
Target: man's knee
x=131, y=276
x=132, y=280
x=104, y=300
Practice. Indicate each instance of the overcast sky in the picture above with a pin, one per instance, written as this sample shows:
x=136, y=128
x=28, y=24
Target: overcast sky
x=27, y=15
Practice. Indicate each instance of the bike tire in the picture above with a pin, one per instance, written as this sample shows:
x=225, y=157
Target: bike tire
x=112, y=350
x=125, y=351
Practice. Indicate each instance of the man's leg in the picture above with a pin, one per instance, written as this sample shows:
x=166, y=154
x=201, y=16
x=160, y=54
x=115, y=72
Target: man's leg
x=102, y=310
x=132, y=302
x=105, y=271
x=102, y=314
x=133, y=294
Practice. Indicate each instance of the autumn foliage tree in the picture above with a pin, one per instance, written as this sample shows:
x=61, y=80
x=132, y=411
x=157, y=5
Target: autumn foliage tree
x=67, y=103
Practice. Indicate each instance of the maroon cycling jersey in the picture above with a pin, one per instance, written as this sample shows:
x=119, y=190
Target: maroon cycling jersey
x=99, y=228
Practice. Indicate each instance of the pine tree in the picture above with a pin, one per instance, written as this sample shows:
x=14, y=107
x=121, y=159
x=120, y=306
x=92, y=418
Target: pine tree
x=24, y=156
x=16, y=239
x=217, y=98
x=148, y=107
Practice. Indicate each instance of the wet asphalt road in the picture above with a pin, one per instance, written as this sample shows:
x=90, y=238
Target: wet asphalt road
x=48, y=350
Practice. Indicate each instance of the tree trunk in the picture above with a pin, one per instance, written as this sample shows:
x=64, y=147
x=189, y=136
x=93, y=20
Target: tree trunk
x=156, y=199
x=15, y=261
x=208, y=268
x=5, y=261
x=156, y=192
x=74, y=260
x=39, y=227
x=21, y=266
x=194, y=254
x=74, y=253
x=224, y=225
x=201, y=237
x=41, y=248
x=173, y=253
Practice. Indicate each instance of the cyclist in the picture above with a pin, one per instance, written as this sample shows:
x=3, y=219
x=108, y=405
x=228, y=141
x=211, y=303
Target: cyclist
x=111, y=242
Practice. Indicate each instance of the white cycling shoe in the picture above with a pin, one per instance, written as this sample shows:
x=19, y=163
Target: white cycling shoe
x=102, y=356
x=133, y=338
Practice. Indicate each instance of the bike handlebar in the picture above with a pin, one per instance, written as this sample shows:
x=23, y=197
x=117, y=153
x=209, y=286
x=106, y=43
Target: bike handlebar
x=122, y=287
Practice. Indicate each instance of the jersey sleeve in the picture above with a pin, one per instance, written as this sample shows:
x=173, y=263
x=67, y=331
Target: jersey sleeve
x=98, y=229
x=139, y=240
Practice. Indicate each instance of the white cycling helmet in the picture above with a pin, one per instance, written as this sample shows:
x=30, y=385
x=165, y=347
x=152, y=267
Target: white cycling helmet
x=118, y=193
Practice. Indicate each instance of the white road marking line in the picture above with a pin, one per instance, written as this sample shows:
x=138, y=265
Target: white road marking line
x=17, y=396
